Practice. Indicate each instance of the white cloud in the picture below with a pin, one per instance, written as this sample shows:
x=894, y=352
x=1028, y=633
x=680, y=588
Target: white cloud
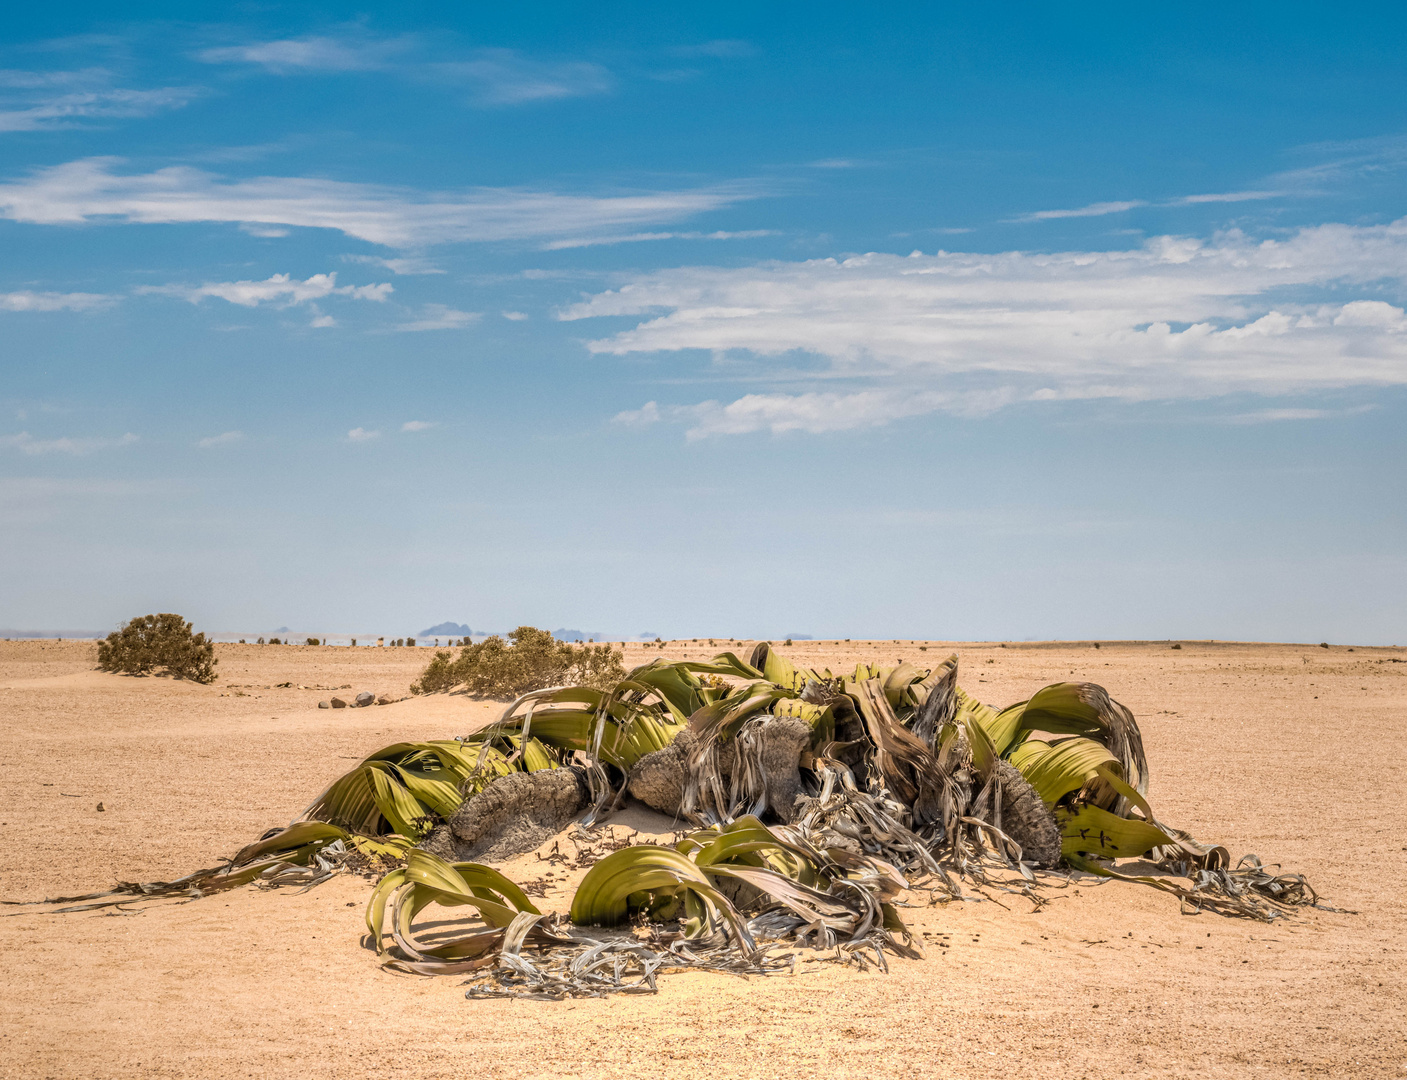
x=649, y=413
x=25, y=300
x=1274, y=416
x=635, y=238
x=27, y=444
x=417, y=425
x=496, y=76
x=406, y=266
x=440, y=317
x=46, y=100
x=280, y=288
x=311, y=53
x=1225, y=197
x=225, y=438
x=1098, y=209
x=514, y=316
x=1175, y=318
x=811, y=411
x=362, y=435
x=322, y=322
x=89, y=190
x=505, y=77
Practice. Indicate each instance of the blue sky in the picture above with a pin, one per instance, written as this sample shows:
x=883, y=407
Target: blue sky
x=857, y=321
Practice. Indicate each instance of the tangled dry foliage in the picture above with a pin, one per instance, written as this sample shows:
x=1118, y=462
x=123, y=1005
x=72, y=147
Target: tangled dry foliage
x=166, y=642
x=815, y=802
x=529, y=659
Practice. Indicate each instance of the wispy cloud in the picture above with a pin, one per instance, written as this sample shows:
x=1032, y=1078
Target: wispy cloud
x=46, y=100
x=811, y=412
x=514, y=316
x=1339, y=164
x=408, y=266
x=362, y=435
x=1276, y=416
x=25, y=300
x=27, y=444
x=440, y=317
x=280, y=288
x=1175, y=318
x=313, y=53
x=89, y=191
x=495, y=77
x=1224, y=197
x=225, y=438
x=1343, y=162
x=417, y=425
x=505, y=77
x=636, y=238
x=1098, y=209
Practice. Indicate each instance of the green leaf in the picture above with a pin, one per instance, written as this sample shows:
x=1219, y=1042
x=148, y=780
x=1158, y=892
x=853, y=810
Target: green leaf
x=1091, y=830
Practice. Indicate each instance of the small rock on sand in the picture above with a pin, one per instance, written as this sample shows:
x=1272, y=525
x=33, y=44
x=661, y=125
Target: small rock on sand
x=338, y=703
x=364, y=699
x=324, y=704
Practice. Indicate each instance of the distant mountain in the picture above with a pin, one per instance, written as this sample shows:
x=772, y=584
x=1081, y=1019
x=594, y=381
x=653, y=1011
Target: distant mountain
x=577, y=635
x=447, y=629
x=53, y=634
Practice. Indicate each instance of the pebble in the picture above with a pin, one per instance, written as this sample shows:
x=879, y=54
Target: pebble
x=364, y=699
x=324, y=705
x=338, y=703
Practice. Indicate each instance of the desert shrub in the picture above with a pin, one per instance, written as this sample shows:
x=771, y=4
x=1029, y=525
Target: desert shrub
x=410, y=641
x=442, y=674
x=159, y=641
x=313, y=641
x=529, y=660
x=275, y=641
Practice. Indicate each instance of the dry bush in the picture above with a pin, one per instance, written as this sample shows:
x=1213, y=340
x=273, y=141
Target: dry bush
x=529, y=660
x=159, y=641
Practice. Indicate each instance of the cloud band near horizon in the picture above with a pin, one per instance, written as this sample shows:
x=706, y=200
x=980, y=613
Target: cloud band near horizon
x=1175, y=318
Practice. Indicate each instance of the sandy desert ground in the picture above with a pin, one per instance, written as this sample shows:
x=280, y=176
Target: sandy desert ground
x=1293, y=752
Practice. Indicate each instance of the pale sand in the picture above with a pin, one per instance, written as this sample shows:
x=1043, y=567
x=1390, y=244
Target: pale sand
x=1292, y=752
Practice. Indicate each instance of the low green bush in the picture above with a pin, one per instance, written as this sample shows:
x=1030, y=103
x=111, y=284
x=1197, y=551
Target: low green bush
x=159, y=641
x=529, y=660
